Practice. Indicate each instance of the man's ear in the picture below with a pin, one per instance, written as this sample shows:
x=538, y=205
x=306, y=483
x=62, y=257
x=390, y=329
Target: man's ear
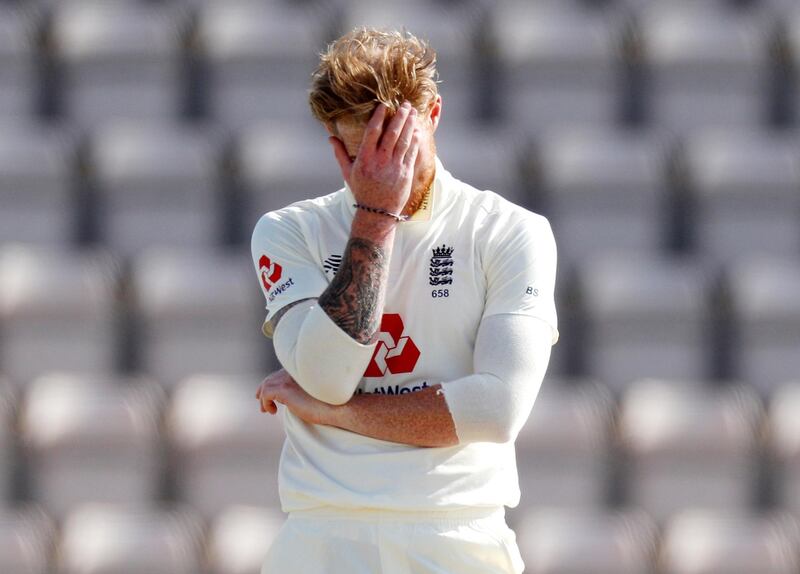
x=435, y=112
x=330, y=127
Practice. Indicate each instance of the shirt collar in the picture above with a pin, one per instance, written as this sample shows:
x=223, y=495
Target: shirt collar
x=429, y=208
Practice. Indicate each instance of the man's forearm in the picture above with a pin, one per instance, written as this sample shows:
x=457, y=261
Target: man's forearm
x=354, y=300
x=418, y=419
x=380, y=173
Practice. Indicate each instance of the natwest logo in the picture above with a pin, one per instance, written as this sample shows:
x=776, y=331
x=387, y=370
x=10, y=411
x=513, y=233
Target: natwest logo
x=270, y=272
x=395, y=354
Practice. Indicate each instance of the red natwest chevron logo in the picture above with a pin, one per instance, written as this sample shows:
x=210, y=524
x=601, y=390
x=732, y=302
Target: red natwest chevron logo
x=395, y=354
x=270, y=272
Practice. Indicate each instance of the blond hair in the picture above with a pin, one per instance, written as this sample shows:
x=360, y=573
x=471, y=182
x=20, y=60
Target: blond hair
x=367, y=67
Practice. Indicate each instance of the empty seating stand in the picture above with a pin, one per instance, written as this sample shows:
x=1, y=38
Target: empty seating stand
x=8, y=458
x=707, y=66
x=27, y=537
x=700, y=542
x=560, y=66
x=688, y=445
x=277, y=164
x=784, y=443
x=92, y=439
x=240, y=538
x=157, y=186
x=644, y=317
x=117, y=59
x=110, y=539
x=18, y=64
x=605, y=190
x=225, y=449
x=57, y=311
x=563, y=450
x=198, y=311
x=37, y=184
x=791, y=18
x=743, y=188
x=765, y=309
x=558, y=541
x=259, y=59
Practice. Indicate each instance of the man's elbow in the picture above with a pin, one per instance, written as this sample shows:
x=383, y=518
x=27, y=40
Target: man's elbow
x=327, y=393
x=332, y=386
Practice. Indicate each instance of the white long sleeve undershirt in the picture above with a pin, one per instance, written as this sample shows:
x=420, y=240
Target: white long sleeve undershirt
x=510, y=360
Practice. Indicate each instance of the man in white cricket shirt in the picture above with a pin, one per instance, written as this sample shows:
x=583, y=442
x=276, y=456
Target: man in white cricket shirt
x=413, y=316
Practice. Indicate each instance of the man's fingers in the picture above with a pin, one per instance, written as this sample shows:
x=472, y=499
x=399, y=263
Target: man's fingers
x=342, y=158
x=267, y=401
x=394, y=129
x=411, y=155
x=372, y=133
x=404, y=140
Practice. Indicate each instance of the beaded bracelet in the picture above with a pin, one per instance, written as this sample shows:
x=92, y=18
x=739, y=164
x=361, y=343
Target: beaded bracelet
x=380, y=211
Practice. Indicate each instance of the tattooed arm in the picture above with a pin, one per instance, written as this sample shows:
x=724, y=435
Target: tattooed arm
x=380, y=177
x=354, y=299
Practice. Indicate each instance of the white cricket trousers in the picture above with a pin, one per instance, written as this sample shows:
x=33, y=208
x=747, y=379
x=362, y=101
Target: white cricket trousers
x=378, y=542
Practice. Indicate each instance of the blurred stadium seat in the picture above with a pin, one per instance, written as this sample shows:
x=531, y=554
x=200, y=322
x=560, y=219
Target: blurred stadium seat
x=18, y=64
x=156, y=185
x=784, y=444
x=689, y=446
x=644, y=317
x=117, y=60
x=259, y=58
x=765, y=301
x=57, y=311
x=605, y=190
x=109, y=539
x=27, y=536
x=276, y=164
x=700, y=542
x=240, y=538
x=563, y=450
x=37, y=185
x=197, y=311
x=8, y=458
x=789, y=15
x=557, y=541
x=92, y=439
x=225, y=451
x=745, y=199
x=707, y=66
x=560, y=66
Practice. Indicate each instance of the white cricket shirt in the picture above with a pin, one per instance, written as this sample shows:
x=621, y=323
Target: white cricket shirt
x=466, y=254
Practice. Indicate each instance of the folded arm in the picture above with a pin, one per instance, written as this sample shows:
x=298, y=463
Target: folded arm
x=511, y=356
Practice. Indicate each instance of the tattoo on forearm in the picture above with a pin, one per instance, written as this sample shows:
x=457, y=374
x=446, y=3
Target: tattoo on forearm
x=353, y=299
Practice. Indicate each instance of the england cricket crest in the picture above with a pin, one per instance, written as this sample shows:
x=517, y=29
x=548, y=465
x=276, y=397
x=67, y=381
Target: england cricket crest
x=441, y=266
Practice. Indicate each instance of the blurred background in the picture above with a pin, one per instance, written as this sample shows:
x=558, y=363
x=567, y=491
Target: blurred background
x=141, y=140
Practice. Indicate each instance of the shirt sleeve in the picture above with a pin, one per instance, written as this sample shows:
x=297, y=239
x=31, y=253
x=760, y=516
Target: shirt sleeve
x=284, y=266
x=511, y=357
x=520, y=266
